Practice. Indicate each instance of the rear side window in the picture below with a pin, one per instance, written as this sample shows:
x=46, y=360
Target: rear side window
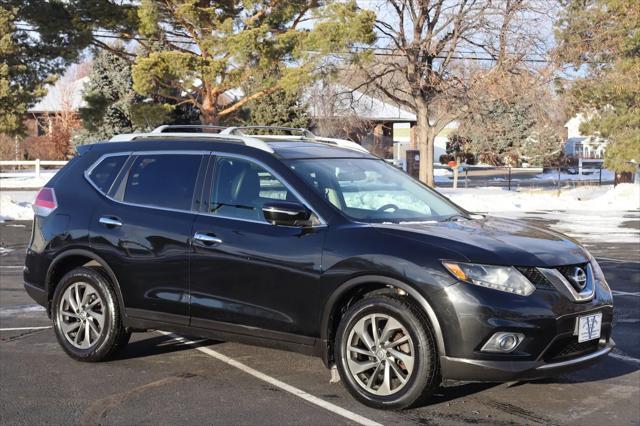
x=163, y=180
x=106, y=171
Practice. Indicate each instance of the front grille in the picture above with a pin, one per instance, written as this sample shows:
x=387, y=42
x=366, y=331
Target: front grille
x=568, y=348
x=567, y=271
x=535, y=277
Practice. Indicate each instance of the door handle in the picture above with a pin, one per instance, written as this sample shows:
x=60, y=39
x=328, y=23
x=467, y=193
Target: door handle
x=110, y=221
x=206, y=238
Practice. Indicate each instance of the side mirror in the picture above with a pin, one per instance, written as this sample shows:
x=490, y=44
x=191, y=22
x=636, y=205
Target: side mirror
x=285, y=213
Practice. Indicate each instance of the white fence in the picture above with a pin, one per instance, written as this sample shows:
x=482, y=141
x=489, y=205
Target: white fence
x=37, y=167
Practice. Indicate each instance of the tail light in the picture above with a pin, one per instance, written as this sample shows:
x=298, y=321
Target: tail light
x=45, y=202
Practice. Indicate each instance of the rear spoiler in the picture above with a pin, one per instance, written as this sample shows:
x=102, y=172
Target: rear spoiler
x=83, y=149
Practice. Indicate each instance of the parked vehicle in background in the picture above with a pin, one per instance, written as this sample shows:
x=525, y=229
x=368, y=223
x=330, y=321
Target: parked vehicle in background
x=307, y=245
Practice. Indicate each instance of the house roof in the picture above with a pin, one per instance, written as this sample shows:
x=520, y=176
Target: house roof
x=356, y=103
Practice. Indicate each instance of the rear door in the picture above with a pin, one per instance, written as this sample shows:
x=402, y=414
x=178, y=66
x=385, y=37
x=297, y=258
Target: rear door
x=252, y=276
x=142, y=227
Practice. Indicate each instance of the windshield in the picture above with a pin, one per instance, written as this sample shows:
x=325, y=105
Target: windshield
x=371, y=190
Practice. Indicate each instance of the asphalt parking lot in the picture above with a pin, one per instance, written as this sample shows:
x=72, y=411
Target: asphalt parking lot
x=161, y=379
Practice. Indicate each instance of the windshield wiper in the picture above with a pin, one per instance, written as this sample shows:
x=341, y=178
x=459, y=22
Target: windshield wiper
x=455, y=217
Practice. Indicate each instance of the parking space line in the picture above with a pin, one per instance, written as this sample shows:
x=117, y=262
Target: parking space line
x=277, y=383
x=24, y=328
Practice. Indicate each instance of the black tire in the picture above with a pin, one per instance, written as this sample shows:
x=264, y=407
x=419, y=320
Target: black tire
x=113, y=336
x=424, y=378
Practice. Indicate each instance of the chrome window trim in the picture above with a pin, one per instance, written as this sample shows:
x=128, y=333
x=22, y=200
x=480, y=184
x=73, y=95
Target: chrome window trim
x=87, y=172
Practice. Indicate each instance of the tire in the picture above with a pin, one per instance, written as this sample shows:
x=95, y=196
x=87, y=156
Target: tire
x=95, y=333
x=414, y=357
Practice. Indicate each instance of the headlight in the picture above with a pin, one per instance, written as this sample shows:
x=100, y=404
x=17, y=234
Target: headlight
x=597, y=272
x=503, y=278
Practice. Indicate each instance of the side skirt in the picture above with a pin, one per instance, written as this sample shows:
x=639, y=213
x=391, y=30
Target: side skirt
x=138, y=320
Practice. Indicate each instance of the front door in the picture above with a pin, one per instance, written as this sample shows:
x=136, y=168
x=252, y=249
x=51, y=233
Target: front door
x=247, y=274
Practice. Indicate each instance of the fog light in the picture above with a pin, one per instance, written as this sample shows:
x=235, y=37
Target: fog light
x=503, y=342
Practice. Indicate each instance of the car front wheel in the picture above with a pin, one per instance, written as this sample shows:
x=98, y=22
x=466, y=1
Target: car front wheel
x=385, y=352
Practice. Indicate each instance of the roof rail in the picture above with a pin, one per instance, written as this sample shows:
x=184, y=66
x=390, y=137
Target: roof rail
x=305, y=134
x=239, y=130
x=246, y=140
x=164, y=128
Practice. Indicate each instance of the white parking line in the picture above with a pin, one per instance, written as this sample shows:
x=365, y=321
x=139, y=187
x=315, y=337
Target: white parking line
x=24, y=328
x=275, y=382
x=11, y=266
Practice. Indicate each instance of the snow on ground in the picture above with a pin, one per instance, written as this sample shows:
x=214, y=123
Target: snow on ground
x=442, y=175
x=586, y=198
x=607, y=175
x=16, y=205
x=589, y=227
x=27, y=181
x=590, y=214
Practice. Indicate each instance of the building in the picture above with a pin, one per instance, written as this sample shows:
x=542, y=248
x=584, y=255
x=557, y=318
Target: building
x=577, y=145
x=381, y=126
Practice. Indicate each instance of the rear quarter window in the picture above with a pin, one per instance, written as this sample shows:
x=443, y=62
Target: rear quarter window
x=105, y=172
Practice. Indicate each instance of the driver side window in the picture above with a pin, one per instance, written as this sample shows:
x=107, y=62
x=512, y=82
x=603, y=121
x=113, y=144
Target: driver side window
x=241, y=187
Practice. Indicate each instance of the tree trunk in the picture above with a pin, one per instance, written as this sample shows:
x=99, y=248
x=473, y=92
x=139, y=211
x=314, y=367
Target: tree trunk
x=209, y=110
x=425, y=135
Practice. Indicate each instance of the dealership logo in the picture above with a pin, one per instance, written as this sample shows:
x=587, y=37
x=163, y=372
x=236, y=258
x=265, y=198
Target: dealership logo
x=579, y=278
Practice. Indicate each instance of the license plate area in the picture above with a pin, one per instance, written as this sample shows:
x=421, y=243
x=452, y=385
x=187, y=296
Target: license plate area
x=588, y=327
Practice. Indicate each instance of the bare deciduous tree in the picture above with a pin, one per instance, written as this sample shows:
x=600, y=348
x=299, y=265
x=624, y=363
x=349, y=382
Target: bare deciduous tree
x=430, y=43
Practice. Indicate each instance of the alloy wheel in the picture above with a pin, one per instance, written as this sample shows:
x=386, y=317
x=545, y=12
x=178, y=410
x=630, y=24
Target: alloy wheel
x=81, y=315
x=380, y=354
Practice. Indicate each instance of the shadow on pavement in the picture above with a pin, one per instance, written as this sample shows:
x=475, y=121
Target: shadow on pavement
x=159, y=345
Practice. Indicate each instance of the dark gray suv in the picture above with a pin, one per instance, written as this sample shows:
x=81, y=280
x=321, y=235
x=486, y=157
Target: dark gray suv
x=307, y=246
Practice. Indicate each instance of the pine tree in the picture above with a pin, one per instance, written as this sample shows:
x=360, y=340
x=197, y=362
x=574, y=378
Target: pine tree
x=112, y=106
x=210, y=48
x=602, y=37
x=280, y=108
x=31, y=58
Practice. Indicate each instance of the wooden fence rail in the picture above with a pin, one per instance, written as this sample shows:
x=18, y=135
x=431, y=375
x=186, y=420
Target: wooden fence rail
x=37, y=165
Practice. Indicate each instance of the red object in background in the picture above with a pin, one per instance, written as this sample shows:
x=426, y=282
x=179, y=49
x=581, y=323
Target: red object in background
x=452, y=164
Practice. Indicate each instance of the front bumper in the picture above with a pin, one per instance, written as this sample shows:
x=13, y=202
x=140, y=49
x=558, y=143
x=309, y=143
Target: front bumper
x=472, y=370
x=469, y=315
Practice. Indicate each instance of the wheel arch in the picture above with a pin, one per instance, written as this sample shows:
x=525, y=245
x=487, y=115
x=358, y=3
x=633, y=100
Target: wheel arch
x=74, y=258
x=367, y=284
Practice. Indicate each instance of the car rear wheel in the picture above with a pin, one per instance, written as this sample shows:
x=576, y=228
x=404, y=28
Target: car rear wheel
x=385, y=352
x=86, y=316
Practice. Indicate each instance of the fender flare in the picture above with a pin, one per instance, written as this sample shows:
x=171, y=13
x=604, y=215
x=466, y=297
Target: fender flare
x=379, y=279
x=91, y=255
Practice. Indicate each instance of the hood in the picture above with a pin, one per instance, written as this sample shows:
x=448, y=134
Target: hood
x=495, y=241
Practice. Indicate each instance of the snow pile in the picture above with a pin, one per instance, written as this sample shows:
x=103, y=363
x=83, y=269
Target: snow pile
x=28, y=180
x=442, y=175
x=607, y=175
x=586, y=198
x=16, y=206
